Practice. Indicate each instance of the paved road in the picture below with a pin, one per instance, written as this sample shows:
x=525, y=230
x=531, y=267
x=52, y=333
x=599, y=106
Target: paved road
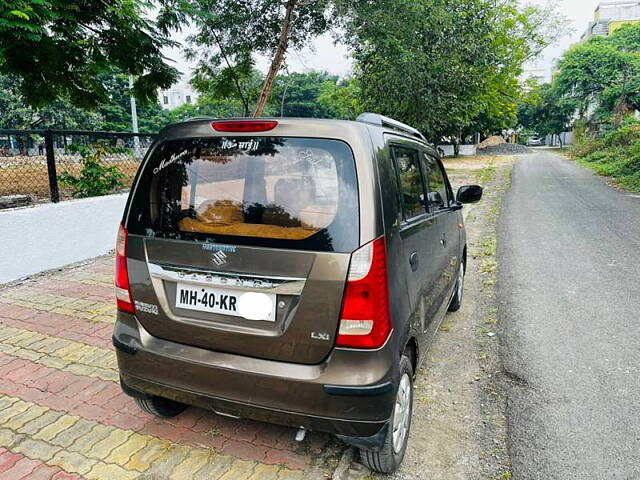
x=570, y=292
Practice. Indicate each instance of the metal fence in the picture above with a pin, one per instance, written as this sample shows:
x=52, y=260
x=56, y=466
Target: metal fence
x=32, y=162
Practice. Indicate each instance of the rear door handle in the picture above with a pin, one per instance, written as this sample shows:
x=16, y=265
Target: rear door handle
x=413, y=261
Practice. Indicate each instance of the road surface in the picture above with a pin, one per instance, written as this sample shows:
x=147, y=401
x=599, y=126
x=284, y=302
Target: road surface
x=569, y=289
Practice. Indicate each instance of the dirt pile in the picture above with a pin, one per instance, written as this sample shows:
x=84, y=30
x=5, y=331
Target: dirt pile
x=491, y=141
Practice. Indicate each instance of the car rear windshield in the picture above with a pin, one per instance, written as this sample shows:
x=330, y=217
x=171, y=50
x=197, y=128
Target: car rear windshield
x=263, y=191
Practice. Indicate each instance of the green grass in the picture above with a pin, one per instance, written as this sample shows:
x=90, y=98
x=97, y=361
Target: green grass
x=484, y=175
x=614, y=165
x=616, y=155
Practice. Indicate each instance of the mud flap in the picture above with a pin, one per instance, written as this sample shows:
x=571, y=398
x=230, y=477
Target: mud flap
x=374, y=442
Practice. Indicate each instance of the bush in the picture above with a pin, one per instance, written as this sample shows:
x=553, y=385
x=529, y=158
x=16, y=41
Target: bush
x=95, y=178
x=616, y=155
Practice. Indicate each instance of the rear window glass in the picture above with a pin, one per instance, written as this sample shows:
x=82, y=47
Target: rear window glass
x=264, y=191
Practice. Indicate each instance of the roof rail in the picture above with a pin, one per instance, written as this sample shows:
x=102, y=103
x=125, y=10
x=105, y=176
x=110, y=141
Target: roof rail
x=377, y=119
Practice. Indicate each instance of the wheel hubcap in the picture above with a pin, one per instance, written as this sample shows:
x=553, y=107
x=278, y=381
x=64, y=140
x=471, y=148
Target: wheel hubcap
x=401, y=413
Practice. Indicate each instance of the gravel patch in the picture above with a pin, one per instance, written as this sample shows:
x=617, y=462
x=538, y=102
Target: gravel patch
x=504, y=149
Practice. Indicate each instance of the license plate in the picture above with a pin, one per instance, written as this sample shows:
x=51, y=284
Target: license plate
x=250, y=305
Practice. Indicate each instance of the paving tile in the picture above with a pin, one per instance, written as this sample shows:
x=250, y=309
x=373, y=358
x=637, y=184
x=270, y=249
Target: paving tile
x=21, y=469
x=72, y=462
x=39, y=423
x=104, y=471
x=191, y=465
x=61, y=403
x=123, y=453
x=57, y=427
x=36, y=449
x=104, y=447
x=143, y=458
x=43, y=472
x=8, y=460
x=239, y=470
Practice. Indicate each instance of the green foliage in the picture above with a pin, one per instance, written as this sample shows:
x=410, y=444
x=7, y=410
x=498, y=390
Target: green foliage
x=604, y=72
x=16, y=113
x=297, y=94
x=617, y=154
x=116, y=112
x=59, y=48
x=229, y=34
x=95, y=178
x=543, y=111
x=342, y=99
x=443, y=65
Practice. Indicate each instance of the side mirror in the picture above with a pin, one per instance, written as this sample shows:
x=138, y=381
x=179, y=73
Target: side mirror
x=469, y=194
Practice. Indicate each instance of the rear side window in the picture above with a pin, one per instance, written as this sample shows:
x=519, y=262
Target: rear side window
x=408, y=171
x=437, y=193
x=264, y=191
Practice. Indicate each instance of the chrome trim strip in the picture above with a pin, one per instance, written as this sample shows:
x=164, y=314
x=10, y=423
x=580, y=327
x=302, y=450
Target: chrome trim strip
x=231, y=280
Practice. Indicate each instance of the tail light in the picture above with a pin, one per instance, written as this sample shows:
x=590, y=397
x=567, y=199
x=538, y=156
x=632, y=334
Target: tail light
x=244, y=125
x=123, y=292
x=365, y=321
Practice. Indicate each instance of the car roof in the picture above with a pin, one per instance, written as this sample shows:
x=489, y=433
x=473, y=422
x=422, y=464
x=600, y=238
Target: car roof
x=296, y=127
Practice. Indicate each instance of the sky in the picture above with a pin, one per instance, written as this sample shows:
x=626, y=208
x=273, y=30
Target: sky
x=324, y=54
x=579, y=13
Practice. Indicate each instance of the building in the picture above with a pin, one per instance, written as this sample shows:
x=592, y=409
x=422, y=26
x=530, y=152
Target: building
x=177, y=95
x=609, y=16
x=538, y=71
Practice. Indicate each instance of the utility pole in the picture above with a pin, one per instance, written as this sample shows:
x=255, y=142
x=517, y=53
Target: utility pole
x=134, y=119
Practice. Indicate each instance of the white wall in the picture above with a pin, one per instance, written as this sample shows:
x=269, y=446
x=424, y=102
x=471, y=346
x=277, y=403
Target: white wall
x=465, y=150
x=49, y=236
x=554, y=141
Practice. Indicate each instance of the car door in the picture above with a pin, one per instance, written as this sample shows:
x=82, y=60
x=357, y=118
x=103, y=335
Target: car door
x=418, y=232
x=447, y=248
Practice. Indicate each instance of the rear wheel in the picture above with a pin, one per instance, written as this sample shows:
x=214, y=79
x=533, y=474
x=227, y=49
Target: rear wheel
x=456, y=301
x=160, y=407
x=390, y=455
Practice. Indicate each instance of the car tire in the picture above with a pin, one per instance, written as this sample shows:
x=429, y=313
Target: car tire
x=160, y=407
x=456, y=300
x=389, y=457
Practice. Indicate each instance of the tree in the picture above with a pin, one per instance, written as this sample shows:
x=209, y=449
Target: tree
x=519, y=34
x=116, y=112
x=603, y=72
x=297, y=94
x=237, y=84
x=16, y=113
x=594, y=69
x=230, y=33
x=342, y=99
x=545, y=111
x=58, y=48
x=440, y=64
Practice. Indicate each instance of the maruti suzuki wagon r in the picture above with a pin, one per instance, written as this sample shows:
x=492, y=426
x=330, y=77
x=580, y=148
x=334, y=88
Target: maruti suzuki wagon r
x=292, y=271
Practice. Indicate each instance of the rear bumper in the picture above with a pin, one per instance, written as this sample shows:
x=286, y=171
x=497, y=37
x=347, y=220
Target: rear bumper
x=350, y=394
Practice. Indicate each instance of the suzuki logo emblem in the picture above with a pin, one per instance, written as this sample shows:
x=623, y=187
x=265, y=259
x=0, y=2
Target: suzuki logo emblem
x=219, y=258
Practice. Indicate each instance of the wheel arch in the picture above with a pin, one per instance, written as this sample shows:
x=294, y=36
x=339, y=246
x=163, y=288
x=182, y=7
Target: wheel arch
x=411, y=349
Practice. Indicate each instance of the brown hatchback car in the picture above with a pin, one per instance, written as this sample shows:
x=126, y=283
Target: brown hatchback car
x=289, y=270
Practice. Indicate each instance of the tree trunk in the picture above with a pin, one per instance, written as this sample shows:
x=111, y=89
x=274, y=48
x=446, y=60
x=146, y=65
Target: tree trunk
x=278, y=58
x=22, y=146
